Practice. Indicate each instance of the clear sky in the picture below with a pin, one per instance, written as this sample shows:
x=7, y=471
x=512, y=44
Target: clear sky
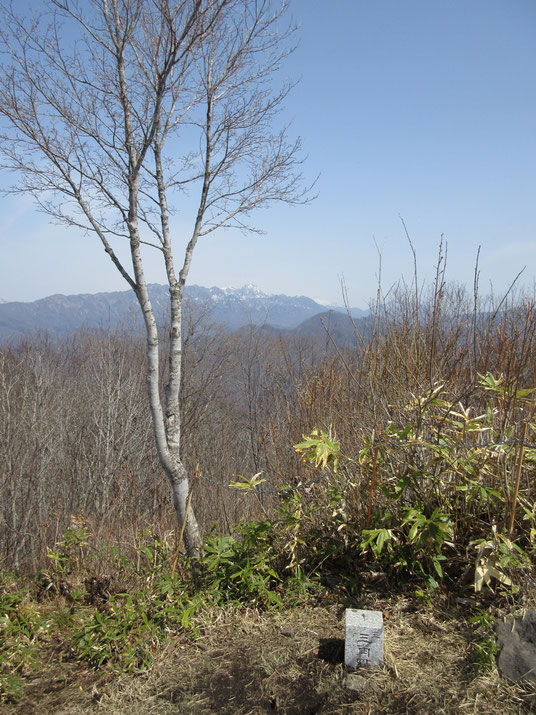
x=424, y=109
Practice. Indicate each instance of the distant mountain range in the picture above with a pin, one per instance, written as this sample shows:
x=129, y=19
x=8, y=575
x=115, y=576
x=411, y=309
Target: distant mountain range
x=60, y=315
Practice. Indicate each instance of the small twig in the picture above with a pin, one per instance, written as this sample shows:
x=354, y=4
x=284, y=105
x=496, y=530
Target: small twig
x=518, y=478
x=373, y=478
x=505, y=296
x=474, y=316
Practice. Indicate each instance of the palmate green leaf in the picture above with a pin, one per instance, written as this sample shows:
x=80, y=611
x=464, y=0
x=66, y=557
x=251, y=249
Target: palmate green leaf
x=427, y=400
x=247, y=485
x=524, y=392
x=320, y=449
x=411, y=515
x=488, y=382
x=376, y=539
x=485, y=492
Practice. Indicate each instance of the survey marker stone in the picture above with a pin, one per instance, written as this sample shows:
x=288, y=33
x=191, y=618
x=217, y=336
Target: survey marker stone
x=364, y=638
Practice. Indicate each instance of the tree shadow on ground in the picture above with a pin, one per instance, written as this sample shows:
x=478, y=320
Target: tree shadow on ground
x=331, y=650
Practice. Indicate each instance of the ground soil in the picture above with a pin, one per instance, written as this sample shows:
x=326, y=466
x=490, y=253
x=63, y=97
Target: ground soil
x=290, y=663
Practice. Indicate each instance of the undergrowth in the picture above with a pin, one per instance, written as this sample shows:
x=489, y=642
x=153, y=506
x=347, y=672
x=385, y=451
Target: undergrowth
x=436, y=499
x=440, y=490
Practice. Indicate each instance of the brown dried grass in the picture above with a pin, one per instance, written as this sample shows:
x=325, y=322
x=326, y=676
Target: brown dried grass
x=247, y=663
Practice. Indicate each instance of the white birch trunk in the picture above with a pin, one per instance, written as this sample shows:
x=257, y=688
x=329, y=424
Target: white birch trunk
x=166, y=427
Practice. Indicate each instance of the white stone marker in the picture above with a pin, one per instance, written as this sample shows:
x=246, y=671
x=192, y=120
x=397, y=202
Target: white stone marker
x=364, y=638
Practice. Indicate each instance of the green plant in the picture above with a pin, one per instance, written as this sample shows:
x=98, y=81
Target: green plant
x=68, y=552
x=425, y=538
x=413, y=551
x=125, y=631
x=21, y=628
x=498, y=558
x=431, y=481
x=242, y=569
x=121, y=635
x=485, y=649
x=320, y=448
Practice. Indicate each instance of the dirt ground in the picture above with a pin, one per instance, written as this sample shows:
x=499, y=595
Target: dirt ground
x=290, y=663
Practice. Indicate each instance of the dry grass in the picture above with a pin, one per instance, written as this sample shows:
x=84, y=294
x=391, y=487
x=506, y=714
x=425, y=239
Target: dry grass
x=291, y=663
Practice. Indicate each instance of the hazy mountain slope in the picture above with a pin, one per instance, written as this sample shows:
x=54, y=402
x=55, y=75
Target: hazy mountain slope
x=60, y=315
x=334, y=326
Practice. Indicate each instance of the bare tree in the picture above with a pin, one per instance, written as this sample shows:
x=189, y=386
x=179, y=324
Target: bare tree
x=112, y=110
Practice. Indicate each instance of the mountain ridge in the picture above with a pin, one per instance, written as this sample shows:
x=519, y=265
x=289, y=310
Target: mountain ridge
x=60, y=315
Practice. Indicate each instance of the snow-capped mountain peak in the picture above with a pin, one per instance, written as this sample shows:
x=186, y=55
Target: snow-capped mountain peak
x=232, y=307
x=250, y=291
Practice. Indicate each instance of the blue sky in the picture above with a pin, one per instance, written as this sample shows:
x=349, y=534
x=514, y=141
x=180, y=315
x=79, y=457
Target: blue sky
x=423, y=109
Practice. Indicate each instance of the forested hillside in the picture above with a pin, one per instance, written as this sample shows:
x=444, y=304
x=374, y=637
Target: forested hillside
x=404, y=463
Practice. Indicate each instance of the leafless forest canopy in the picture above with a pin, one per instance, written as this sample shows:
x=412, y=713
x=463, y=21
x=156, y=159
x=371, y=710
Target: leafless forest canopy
x=76, y=436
